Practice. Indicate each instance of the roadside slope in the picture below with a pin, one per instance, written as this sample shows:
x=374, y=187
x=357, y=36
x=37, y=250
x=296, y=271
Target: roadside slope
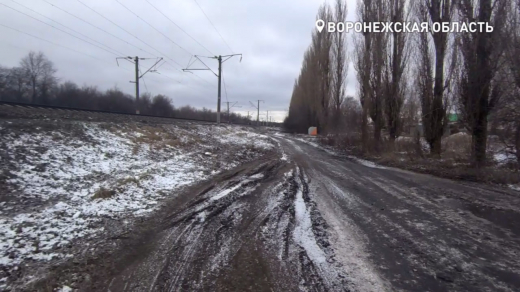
x=68, y=186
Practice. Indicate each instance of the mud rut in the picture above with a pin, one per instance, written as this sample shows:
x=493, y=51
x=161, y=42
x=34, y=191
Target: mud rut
x=256, y=231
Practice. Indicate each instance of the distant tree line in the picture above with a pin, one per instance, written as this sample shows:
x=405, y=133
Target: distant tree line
x=34, y=81
x=410, y=78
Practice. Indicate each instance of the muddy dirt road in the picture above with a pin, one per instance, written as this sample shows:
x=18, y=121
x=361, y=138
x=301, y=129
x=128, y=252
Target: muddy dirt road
x=306, y=220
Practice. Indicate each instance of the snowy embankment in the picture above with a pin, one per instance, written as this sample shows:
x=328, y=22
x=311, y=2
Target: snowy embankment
x=63, y=181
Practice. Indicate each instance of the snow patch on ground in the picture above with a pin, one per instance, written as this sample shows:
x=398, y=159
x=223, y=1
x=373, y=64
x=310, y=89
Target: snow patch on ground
x=515, y=187
x=366, y=162
x=284, y=155
x=75, y=183
x=231, y=136
x=504, y=157
x=65, y=289
x=303, y=234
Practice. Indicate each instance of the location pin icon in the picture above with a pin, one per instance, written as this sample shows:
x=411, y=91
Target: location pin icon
x=320, y=24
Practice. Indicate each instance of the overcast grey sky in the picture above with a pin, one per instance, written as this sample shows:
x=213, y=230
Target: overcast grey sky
x=272, y=35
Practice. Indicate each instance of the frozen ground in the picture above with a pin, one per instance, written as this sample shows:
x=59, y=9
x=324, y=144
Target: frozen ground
x=63, y=181
x=303, y=219
x=169, y=207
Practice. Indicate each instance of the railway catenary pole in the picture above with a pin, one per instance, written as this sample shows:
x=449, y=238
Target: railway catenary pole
x=258, y=113
x=219, y=87
x=228, y=108
x=257, y=107
x=220, y=60
x=135, y=60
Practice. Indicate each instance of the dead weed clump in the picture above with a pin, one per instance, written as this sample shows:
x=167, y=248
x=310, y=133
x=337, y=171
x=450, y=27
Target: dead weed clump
x=128, y=180
x=342, y=141
x=104, y=193
x=456, y=147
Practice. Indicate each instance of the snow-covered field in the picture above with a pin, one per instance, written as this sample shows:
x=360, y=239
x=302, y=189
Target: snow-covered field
x=63, y=181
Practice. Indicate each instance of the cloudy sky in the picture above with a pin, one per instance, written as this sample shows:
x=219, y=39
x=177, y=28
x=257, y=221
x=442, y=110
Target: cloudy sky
x=272, y=35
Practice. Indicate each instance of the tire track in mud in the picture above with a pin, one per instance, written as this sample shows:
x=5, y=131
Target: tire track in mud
x=297, y=233
x=257, y=230
x=212, y=239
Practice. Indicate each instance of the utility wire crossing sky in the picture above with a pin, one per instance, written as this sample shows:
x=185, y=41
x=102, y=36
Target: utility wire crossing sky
x=83, y=38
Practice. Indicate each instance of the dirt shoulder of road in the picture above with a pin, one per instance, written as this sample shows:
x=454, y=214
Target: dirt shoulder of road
x=69, y=189
x=451, y=169
x=91, y=272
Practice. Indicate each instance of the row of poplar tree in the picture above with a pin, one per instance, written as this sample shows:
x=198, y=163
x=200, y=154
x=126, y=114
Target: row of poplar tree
x=419, y=77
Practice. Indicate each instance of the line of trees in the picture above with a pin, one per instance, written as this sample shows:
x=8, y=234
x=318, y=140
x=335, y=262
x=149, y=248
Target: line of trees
x=409, y=78
x=34, y=81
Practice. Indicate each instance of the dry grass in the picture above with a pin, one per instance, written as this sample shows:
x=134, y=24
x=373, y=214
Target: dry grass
x=406, y=153
x=103, y=193
x=127, y=180
x=162, y=137
x=56, y=137
x=456, y=147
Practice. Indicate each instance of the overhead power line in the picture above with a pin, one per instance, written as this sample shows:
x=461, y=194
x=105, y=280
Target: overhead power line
x=200, y=78
x=58, y=29
x=75, y=31
x=53, y=43
x=144, y=81
x=116, y=37
x=131, y=34
x=225, y=89
x=213, y=26
x=97, y=27
x=178, y=27
x=120, y=27
x=153, y=27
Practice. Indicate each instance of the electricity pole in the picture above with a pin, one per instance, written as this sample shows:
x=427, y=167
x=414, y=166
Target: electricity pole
x=137, y=77
x=229, y=107
x=257, y=111
x=219, y=86
x=219, y=75
x=136, y=60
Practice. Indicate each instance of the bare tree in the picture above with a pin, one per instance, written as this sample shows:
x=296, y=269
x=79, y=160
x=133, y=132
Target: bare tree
x=509, y=110
x=310, y=101
x=340, y=64
x=19, y=83
x=322, y=63
x=431, y=67
x=482, y=56
x=410, y=112
x=377, y=82
x=363, y=66
x=4, y=81
x=352, y=114
x=395, y=68
x=39, y=71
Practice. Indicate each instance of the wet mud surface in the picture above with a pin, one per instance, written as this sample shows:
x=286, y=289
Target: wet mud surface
x=303, y=219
